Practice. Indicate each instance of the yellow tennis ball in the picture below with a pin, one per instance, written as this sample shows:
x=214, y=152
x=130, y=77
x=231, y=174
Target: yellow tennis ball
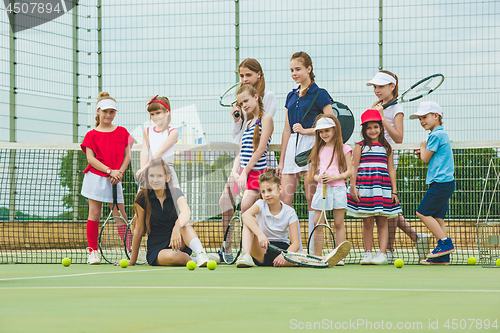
x=66, y=262
x=399, y=263
x=472, y=261
x=212, y=265
x=191, y=265
x=498, y=262
x=124, y=263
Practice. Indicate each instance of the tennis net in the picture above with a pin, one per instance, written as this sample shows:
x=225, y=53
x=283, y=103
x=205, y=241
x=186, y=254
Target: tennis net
x=43, y=215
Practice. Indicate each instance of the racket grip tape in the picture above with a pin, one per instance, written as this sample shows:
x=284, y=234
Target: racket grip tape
x=115, y=194
x=325, y=186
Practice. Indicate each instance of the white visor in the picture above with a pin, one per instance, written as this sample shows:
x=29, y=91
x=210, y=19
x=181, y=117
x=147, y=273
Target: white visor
x=324, y=123
x=107, y=104
x=381, y=79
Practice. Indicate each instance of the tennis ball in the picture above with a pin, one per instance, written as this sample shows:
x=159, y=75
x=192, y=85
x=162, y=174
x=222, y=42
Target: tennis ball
x=472, y=261
x=191, y=265
x=66, y=262
x=124, y=263
x=498, y=263
x=399, y=263
x=212, y=265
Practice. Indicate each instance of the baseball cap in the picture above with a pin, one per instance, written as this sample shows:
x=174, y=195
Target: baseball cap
x=425, y=108
x=381, y=79
x=324, y=123
x=370, y=115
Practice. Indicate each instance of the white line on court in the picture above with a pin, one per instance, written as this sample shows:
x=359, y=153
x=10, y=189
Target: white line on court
x=260, y=288
x=84, y=274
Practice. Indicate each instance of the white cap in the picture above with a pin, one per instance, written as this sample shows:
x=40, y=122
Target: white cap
x=381, y=79
x=425, y=108
x=107, y=103
x=324, y=123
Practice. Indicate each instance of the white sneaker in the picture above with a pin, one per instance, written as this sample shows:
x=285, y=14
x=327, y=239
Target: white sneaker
x=215, y=257
x=379, y=259
x=422, y=245
x=340, y=263
x=367, y=259
x=390, y=257
x=338, y=254
x=202, y=259
x=141, y=256
x=244, y=261
x=93, y=258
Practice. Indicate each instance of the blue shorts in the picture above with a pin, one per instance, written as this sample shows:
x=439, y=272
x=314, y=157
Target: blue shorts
x=435, y=202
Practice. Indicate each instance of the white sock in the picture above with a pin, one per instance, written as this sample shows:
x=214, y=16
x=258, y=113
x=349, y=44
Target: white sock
x=443, y=239
x=196, y=246
x=300, y=237
x=311, y=227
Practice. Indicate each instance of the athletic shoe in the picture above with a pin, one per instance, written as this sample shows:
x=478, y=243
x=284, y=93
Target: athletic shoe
x=340, y=263
x=244, y=261
x=141, y=256
x=368, y=257
x=214, y=256
x=202, y=259
x=422, y=245
x=444, y=247
x=338, y=254
x=93, y=258
x=390, y=256
x=379, y=259
x=443, y=260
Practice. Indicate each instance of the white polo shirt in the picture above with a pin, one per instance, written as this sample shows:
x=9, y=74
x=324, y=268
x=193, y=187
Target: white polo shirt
x=275, y=227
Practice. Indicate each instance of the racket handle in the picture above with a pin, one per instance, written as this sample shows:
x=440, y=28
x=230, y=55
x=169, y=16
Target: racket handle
x=324, y=190
x=394, y=101
x=115, y=195
x=236, y=114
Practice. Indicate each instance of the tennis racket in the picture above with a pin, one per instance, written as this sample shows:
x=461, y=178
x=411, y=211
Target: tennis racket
x=143, y=249
x=301, y=259
x=231, y=246
x=112, y=234
x=228, y=98
x=321, y=240
x=420, y=89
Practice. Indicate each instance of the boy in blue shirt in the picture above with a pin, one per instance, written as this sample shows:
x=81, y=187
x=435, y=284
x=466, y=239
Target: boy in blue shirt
x=438, y=153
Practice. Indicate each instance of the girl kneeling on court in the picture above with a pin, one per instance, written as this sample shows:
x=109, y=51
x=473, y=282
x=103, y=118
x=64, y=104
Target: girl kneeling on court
x=162, y=212
x=270, y=221
x=330, y=165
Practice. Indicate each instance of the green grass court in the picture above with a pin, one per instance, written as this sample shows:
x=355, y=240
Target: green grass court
x=81, y=298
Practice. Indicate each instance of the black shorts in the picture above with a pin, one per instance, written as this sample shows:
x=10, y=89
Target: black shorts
x=271, y=254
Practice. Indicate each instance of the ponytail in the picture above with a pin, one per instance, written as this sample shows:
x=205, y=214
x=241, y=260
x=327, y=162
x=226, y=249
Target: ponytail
x=307, y=61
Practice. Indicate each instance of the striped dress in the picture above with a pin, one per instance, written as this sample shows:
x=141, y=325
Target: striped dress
x=247, y=149
x=374, y=186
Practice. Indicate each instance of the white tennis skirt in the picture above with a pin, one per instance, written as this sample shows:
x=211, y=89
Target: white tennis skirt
x=100, y=189
x=336, y=198
x=305, y=142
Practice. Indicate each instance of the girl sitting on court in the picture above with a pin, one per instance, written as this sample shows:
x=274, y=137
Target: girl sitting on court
x=159, y=140
x=270, y=221
x=385, y=87
x=330, y=164
x=162, y=212
x=251, y=161
x=108, y=152
x=372, y=194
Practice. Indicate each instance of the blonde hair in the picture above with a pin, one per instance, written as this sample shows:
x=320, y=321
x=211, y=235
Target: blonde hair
x=338, y=148
x=256, y=132
x=307, y=61
x=103, y=95
x=270, y=176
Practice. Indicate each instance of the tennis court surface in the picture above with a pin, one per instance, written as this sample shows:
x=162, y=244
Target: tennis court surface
x=81, y=298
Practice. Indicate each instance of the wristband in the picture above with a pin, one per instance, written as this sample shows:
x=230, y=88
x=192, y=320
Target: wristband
x=394, y=193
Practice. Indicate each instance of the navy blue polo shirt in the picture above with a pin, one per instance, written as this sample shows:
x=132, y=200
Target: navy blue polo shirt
x=298, y=106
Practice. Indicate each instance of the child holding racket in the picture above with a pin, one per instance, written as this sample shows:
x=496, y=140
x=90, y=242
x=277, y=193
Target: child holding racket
x=270, y=221
x=251, y=161
x=331, y=165
x=159, y=140
x=162, y=212
x=108, y=152
x=440, y=177
x=385, y=87
x=303, y=105
x=372, y=194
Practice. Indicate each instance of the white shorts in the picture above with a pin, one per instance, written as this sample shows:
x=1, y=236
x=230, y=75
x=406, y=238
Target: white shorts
x=100, y=189
x=305, y=142
x=336, y=198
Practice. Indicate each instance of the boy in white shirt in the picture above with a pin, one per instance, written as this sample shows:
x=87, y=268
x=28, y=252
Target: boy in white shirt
x=270, y=221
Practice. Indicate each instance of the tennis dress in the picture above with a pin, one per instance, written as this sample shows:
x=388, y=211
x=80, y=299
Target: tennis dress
x=374, y=186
